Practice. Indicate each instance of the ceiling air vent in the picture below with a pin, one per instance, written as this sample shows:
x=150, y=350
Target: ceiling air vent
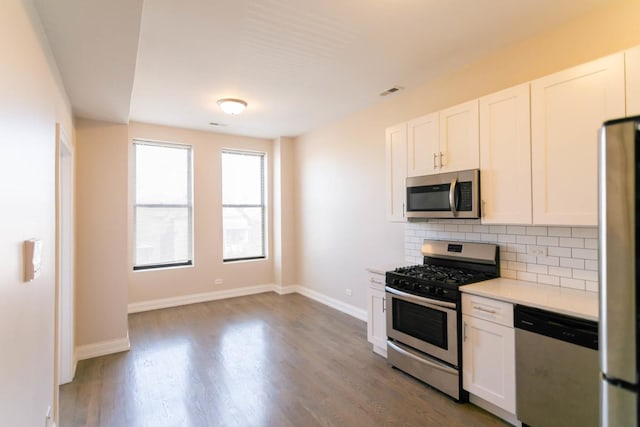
x=391, y=90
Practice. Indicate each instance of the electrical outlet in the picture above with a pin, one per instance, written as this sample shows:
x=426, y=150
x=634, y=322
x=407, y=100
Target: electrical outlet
x=348, y=292
x=218, y=282
x=537, y=250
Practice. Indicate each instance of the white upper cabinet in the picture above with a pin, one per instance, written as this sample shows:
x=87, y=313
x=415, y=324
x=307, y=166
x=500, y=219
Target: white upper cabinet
x=459, y=138
x=423, y=145
x=632, y=66
x=567, y=109
x=396, y=171
x=505, y=157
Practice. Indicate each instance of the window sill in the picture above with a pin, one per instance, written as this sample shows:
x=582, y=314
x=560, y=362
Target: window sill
x=157, y=267
x=238, y=260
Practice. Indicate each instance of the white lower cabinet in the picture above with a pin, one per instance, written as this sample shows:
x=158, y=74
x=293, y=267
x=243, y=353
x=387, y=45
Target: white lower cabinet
x=488, y=355
x=376, y=314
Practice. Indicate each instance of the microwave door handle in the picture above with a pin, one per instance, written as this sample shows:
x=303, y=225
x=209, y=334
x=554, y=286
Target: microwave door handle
x=452, y=196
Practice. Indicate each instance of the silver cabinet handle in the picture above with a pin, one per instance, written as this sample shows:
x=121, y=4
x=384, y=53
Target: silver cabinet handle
x=486, y=310
x=372, y=280
x=384, y=305
x=435, y=156
x=452, y=196
x=441, y=156
x=464, y=331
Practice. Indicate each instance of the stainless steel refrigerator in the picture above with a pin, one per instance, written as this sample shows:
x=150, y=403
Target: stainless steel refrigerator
x=619, y=182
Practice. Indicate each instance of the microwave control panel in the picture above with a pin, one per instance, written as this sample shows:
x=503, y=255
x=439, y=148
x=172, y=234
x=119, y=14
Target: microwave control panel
x=465, y=201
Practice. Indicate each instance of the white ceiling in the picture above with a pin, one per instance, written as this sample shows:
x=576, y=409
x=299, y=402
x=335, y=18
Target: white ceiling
x=299, y=64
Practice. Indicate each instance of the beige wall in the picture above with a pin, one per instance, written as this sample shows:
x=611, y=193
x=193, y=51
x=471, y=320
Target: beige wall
x=284, y=254
x=101, y=232
x=146, y=285
x=341, y=227
x=31, y=102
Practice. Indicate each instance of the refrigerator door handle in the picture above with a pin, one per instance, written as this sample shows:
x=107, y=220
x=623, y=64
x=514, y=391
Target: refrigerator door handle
x=617, y=340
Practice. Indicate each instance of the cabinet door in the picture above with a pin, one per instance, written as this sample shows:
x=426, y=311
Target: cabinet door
x=632, y=75
x=459, y=139
x=396, y=170
x=567, y=109
x=505, y=157
x=376, y=325
x=423, y=145
x=488, y=357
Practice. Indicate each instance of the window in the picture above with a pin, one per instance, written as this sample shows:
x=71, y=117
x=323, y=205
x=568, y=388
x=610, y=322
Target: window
x=243, y=207
x=163, y=211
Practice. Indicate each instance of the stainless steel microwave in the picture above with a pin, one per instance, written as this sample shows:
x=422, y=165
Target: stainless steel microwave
x=444, y=195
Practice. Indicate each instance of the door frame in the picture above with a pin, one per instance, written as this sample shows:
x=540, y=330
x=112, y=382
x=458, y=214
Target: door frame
x=65, y=289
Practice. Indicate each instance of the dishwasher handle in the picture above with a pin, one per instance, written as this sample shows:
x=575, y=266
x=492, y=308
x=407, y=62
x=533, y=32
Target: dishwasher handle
x=570, y=329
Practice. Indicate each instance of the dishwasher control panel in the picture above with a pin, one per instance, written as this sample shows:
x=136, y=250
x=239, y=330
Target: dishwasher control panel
x=571, y=329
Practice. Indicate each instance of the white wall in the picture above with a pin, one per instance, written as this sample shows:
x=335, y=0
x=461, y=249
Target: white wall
x=148, y=285
x=101, y=235
x=283, y=235
x=31, y=102
x=341, y=223
x=340, y=207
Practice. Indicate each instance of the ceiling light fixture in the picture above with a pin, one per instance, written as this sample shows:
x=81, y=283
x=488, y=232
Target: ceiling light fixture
x=232, y=106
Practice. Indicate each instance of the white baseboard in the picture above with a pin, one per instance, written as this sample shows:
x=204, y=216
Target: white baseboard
x=284, y=290
x=156, y=304
x=103, y=348
x=349, y=309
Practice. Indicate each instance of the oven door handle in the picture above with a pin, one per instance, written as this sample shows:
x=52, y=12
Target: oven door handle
x=421, y=300
x=404, y=352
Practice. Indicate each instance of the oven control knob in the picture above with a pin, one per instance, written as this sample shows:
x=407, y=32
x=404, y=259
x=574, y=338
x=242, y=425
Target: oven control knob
x=433, y=290
x=440, y=291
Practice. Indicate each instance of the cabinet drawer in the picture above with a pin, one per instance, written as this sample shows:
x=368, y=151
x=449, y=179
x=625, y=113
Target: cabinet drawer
x=377, y=281
x=499, y=312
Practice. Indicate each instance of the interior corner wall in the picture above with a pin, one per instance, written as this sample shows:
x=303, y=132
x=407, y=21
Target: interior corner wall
x=284, y=254
x=32, y=101
x=101, y=232
x=340, y=168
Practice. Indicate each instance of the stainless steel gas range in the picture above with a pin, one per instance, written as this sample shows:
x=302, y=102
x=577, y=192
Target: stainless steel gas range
x=424, y=316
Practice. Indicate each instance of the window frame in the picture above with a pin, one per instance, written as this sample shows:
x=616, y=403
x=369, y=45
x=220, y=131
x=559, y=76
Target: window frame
x=189, y=205
x=263, y=176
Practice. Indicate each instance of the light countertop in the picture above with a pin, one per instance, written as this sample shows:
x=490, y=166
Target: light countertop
x=383, y=268
x=571, y=302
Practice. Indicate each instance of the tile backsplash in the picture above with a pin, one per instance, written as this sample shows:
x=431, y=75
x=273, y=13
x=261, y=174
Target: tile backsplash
x=570, y=257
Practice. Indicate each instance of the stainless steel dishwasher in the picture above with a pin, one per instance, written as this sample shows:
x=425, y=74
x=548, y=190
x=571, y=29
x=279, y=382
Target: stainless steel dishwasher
x=557, y=372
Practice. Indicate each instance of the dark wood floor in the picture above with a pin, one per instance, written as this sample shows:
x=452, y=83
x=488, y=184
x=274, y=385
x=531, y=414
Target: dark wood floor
x=261, y=360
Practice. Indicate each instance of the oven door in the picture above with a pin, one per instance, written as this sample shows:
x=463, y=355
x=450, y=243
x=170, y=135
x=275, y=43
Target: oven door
x=425, y=324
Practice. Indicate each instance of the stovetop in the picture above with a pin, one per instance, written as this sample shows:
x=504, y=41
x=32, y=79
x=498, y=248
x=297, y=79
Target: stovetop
x=447, y=266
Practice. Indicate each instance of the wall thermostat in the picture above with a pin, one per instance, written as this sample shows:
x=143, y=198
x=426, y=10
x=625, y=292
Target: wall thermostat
x=32, y=259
